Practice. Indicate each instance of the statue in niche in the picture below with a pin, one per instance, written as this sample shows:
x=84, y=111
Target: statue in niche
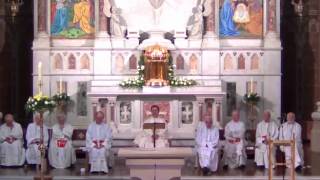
x=58, y=63
x=180, y=62
x=72, y=62
x=193, y=63
x=187, y=112
x=125, y=112
x=241, y=62
x=85, y=62
x=82, y=99
x=255, y=62
x=119, y=63
x=228, y=64
x=133, y=62
x=118, y=24
x=195, y=23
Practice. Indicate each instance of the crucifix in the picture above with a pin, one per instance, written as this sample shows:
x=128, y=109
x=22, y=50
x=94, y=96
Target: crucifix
x=125, y=114
x=156, y=4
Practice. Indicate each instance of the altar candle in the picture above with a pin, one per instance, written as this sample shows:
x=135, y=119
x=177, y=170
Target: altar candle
x=39, y=71
x=60, y=85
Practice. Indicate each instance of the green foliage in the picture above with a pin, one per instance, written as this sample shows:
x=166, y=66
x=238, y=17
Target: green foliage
x=73, y=33
x=39, y=103
x=251, y=98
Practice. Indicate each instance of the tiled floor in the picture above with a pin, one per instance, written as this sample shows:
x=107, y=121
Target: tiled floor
x=119, y=171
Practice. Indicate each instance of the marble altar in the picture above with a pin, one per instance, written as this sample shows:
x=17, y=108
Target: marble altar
x=160, y=164
x=102, y=59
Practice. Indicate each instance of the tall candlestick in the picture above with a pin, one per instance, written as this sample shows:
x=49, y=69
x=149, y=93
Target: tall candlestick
x=60, y=85
x=39, y=77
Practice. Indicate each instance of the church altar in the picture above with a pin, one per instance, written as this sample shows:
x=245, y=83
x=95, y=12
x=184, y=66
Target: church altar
x=90, y=55
x=160, y=164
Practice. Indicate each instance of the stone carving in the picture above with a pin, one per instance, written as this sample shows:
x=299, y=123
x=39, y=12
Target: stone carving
x=72, y=62
x=82, y=99
x=58, y=62
x=195, y=23
x=187, y=112
x=85, y=62
x=255, y=62
x=241, y=62
x=125, y=112
x=156, y=4
x=118, y=24
x=228, y=62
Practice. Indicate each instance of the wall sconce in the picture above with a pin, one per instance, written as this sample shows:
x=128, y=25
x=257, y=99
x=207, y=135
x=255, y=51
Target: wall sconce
x=298, y=7
x=14, y=6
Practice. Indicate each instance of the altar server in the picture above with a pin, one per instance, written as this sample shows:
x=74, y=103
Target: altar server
x=207, y=139
x=145, y=138
x=234, y=150
x=98, y=141
x=33, y=154
x=267, y=130
x=292, y=130
x=12, y=152
x=61, y=152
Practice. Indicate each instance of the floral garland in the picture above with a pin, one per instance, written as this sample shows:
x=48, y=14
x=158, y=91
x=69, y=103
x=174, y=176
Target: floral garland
x=251, y=98
x=40, y=103
x=172, y=79
x=61, y=98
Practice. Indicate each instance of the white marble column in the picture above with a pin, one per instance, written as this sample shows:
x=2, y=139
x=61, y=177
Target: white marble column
x=201, y=107
x=110, y=106
x=210, y=39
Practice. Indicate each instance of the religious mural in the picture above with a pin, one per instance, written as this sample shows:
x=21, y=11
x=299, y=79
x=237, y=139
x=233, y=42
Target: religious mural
x=125, y=112
x=164, y=109
x=241, y=18
x=72, y=18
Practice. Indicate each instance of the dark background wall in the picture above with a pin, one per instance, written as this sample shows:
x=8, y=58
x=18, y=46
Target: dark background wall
x=16, y=60
x=300, y=59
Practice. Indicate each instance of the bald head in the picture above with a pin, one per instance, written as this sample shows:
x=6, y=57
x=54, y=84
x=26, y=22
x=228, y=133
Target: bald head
x=291, y=117
x=235, y=115
x=61, y=117
x=266, y=116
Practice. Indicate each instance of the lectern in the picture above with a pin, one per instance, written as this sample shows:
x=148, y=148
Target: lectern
x=291, y=163
x=154, y=126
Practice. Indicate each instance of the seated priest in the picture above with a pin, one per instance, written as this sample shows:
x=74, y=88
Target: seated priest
x=267, y=130
x=207, y=139
x=33, y=154
x=146, y=138
x=234, y=150
x=98, y=141
x=291, y=130
x=61, y=152
x=12, y=152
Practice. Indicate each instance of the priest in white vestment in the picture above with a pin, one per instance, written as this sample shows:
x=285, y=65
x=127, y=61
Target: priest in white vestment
x=234, y=155
x=145, y=138
x=33, y=154
x=12, y=152
x=61, y=152
x=98, y=142
x=292, y=130
x=207, y=139
x=267, y=130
